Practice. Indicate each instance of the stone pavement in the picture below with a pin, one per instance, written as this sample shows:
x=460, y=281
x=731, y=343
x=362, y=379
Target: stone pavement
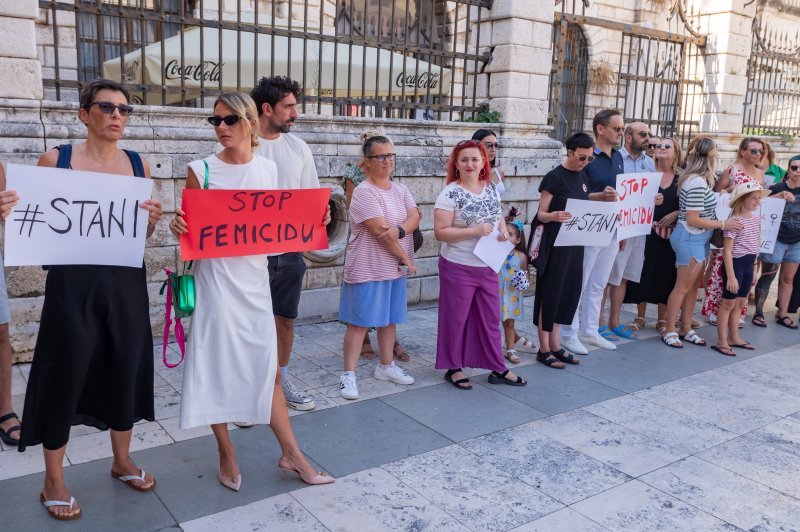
x=643, y=438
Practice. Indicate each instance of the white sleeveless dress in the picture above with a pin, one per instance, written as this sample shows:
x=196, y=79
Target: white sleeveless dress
x=232, y=355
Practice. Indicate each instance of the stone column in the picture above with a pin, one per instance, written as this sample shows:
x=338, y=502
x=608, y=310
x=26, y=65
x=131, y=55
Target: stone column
x=22, y=72
x=518, y=75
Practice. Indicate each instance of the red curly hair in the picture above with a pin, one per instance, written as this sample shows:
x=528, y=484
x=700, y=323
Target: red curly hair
x=452, y=169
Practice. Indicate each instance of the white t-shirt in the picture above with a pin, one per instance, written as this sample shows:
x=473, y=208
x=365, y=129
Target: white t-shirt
x=293, y=158
x=470, y=210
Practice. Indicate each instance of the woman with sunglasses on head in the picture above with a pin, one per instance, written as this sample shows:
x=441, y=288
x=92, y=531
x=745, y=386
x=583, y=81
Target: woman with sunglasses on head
x=93, y=363
x=786, y=253
x=469, y=294
x=488, y=138
x=231, y=369
x=380, y=256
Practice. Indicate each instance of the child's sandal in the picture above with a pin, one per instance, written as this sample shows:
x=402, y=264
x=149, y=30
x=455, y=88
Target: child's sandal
x=511, y=356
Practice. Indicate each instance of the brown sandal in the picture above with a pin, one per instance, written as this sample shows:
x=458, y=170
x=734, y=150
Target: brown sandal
x=367, y=353
x=400, y=353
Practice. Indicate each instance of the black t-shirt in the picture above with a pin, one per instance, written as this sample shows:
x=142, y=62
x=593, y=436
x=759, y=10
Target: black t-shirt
x=789, y=231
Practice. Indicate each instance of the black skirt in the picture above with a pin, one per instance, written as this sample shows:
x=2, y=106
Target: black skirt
x=93, y=362
x=558, y=289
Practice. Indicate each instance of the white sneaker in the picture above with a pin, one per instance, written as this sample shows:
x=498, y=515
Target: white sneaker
x=598, y=341
x=296, y=399
x=347, y=386
x=243, y=424
x=741, y=323
x=574, y=345
x=393, y=373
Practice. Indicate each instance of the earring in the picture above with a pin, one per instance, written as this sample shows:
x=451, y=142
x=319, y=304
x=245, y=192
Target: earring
x=482, y=173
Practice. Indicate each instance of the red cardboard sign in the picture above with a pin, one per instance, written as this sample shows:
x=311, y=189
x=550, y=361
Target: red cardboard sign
x=234, y=223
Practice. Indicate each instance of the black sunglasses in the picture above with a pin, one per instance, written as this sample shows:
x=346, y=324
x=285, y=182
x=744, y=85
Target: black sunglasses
x=756, y=152
x=469, y=143
x=491, y=145
x=229, y=120
x=794, y=168
x=659, y=146
x=108, y=108
x=644, y=134
x=582, y=158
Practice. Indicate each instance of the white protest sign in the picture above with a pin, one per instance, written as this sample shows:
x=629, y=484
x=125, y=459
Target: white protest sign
x=592, y=224
x=637, y=193
x=74, y=217
x=771, y=216
x=492, y=251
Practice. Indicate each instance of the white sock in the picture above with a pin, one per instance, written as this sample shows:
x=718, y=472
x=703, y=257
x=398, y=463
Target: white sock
x=283, y=373
x=387, y=366
x=351, y=373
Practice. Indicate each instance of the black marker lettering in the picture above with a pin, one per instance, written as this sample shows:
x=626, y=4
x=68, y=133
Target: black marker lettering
x=285, y=196
x=69, y=222
x=220, y=239
x=205, y=232
x=119, y=221
x=237, y=197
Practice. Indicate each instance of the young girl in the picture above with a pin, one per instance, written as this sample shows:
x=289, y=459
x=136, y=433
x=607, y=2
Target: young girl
x=739, y=254
x=513, y=283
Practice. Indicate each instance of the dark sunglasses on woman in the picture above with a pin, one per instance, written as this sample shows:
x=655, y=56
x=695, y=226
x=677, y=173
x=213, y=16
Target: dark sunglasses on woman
x=795, y=168
x=229, y=120
x=660, y=146
x=756, y=152
x=108, y=108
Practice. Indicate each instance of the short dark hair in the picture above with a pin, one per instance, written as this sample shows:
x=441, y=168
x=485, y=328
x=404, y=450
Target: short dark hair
x=579, y=140
x=272, y=90
x=603, y=118
x=91, y=89
x=483, y=133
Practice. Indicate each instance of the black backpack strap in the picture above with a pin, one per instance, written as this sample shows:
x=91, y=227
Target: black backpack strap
x=136, y=162
x=64, y=156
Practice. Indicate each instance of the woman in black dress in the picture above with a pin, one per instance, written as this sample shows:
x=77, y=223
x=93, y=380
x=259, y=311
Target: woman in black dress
x=559, y=270
x=658, y=271
x=93, y=362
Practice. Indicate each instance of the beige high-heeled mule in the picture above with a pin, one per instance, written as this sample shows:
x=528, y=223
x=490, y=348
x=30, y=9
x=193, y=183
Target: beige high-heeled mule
x=234, y=483
x=320, y=478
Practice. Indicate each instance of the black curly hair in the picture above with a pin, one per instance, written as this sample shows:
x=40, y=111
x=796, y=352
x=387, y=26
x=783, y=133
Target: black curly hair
x=272, y=90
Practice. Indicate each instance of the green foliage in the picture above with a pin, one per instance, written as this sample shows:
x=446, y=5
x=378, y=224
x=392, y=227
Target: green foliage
x=786, y=136
x=485, y=115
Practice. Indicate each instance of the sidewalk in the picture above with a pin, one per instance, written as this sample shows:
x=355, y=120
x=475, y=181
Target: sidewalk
x=642, y=438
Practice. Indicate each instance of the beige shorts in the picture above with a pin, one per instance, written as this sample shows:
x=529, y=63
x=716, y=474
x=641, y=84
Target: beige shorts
x=629, y=262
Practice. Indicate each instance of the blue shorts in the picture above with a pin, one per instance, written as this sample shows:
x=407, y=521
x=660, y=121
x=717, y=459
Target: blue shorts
x=688, y=246
x=374, y=303
x=782, y=253
x=743, y=270
x=5, y=313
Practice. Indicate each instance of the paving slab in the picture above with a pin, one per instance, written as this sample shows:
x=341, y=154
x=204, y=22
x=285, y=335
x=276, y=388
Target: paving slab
x=565, y=519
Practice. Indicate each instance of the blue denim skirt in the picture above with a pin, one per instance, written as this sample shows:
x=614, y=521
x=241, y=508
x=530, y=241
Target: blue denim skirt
x=374, y=303
x=688, y=246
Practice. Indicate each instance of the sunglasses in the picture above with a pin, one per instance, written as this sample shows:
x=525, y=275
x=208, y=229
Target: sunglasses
x=756, y=152
x=383, y=157
x=229, y=120
x=660, y=146
x=794, y=168
x=491, y=145
x=618, y=129
x=644, y=134
x=108, y=108
x=469, y=143
x=583, y=158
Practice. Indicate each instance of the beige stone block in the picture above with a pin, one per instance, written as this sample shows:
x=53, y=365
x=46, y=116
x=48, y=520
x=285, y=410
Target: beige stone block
x=24, y=326
x=542, y=35
x=729, y=43
x=25, y=9
x=429, y=289
x=520, y=59
x=511, y=31
x=540, y=10
x=424, y=189
x=509, y=85
x=720, y=122
x=320, y=303
x=18, y=38
x=726, y=83
x=160, y=166
x=156, y=259
x=22, y=78
x=430, y=246
x=164, y=191
x=323, y=277
x=539, y=86
x=521, y=110
x=26, y=281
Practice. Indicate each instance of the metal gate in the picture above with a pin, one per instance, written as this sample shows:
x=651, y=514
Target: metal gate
x=656, y=79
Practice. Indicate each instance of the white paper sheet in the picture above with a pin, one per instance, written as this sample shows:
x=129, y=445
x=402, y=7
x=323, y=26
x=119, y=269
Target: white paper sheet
x=492, y=251
x=593, y=223
x=75, y=217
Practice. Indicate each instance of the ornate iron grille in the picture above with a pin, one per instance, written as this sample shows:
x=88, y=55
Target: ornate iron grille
x=396, y=58
x=568, y=79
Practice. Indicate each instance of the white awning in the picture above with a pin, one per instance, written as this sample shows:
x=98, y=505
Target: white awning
x=368, y=77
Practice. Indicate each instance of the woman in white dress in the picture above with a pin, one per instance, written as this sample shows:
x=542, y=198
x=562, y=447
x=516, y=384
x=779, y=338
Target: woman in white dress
x=231, y=362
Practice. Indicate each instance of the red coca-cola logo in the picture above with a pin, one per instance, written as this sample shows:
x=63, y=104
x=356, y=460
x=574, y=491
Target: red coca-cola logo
x=426, y=80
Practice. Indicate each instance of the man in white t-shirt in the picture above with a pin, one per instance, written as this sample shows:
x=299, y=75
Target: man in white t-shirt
x=276, y=100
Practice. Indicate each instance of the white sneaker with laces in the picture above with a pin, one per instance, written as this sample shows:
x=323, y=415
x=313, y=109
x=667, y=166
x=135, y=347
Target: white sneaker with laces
x=347, y=386
x=598, y=341
x=295, y=399
x=393, y=373
x=574, y=345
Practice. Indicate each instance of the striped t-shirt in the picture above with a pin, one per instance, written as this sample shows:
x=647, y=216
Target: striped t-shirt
x=696, y=195
x=366, y=259
x=748, y=240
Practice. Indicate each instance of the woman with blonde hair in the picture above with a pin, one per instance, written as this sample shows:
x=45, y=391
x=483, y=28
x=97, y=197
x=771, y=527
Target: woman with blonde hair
x=231, y=370
x=690, y=239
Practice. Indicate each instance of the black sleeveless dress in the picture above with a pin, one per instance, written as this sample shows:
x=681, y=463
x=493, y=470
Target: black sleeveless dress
x=93, y=362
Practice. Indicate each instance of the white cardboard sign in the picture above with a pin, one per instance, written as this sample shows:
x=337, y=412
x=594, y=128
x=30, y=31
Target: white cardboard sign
x=771, y=216
x=75, y=217
x=593, y=223
x=637, y=193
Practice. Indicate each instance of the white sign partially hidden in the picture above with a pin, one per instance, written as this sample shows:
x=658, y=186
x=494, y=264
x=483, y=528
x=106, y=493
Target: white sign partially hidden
x=74, y=217
x=771, y=216
x=637, y=196
x=492, y=251
x=592, y=224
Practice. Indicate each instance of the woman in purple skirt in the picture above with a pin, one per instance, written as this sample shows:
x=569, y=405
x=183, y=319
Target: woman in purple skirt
x=469, y=296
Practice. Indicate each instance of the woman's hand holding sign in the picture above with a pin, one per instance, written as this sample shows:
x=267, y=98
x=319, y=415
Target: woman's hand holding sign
x=8, y=200
x=178, y=224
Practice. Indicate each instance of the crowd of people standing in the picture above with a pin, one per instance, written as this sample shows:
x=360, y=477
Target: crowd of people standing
x=93, y=361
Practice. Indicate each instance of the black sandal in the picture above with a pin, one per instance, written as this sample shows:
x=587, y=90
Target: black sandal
x=786, y=321
x=761, y=321
x=500, y=378
x=460, y=382
x=565, y=357
x=5, y=435
x=549, y=360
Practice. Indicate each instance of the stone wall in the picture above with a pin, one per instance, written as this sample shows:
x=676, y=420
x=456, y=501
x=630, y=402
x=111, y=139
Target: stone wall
x=170, y=137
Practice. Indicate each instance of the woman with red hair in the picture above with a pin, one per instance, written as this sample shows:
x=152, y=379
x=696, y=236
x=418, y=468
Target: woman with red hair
x=469, y=302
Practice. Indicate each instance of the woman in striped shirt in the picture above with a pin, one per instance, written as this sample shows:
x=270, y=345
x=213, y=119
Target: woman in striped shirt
x=690, y=239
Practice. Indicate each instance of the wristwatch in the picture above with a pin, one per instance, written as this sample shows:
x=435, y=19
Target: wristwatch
x=402, y=231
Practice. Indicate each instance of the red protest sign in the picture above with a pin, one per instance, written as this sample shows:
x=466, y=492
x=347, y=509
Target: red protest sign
x=234, y=223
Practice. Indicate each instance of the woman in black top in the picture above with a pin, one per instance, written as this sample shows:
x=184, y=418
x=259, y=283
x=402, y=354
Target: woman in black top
x=559, y=270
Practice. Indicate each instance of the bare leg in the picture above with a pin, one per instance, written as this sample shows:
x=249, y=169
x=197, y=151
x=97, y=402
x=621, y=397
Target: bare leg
x=545, y=337
x=282, y=427
x=285, y=330
x=386, y=337
x=54, y=488
x=353, y=340
x=228, y=466
x=662, y=311
x=727, y=320
x=684, y=283
x=5, y=381
x=510, y=333
x=785, y=284
x=733, y=322
x=602, y=321
x=687, y=309
x=617, y=295
x=641, y=310
x=122, y=464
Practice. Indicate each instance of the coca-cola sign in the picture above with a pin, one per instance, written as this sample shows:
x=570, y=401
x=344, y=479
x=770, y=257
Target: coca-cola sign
x=207, y=71
x=426, y=80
